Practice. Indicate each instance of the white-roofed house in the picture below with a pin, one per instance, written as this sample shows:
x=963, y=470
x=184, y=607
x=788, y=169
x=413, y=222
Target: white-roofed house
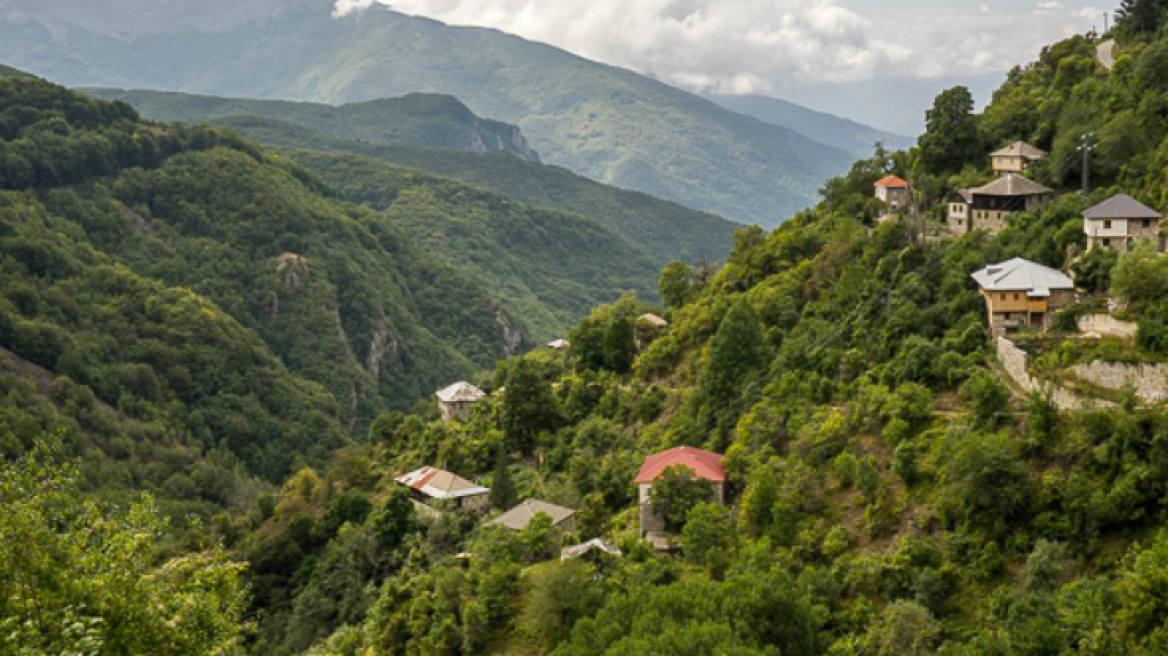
x=430, y=484
x=454, y=402
x=1020, y=293
x=1015, y=158
x=559, y=344
x=1119, y=221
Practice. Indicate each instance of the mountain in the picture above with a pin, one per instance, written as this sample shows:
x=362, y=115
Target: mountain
x=369, y=309
x=888, y=102
x=7, y=72
x=663, y=229
x=855, y=138
x=609, y=124
x=415, y=119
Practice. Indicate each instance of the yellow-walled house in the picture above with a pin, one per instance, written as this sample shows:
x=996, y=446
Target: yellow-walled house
x=1020, y=293
x=1015, y=158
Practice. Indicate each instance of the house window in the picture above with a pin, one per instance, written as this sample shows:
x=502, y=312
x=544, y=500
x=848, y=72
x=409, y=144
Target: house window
x=1002, y=296
x=1106, y=241
x=1016, y=296
x=1107, y=224
x=1146, y=223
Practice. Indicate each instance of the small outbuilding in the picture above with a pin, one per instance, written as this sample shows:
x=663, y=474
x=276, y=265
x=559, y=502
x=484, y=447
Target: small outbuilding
x=559, y=344
x=454, y=402
x=648, y=328
x=520, y=516
x=1119, y=221
x=430, y=484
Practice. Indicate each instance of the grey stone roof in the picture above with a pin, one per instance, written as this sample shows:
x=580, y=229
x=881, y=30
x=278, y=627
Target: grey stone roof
x=1012, y=184
x=1019, y=275
x=460, y=391
x=1020, y=149
x=520, y=515
x=1121, y=206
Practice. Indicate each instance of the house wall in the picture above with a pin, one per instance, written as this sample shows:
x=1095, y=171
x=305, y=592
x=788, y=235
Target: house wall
x=1015, y=164
x=651, y=521
x=1117, y=233
x=477, y=502
x=957, y=219
x=896, y=197
x=458, y=410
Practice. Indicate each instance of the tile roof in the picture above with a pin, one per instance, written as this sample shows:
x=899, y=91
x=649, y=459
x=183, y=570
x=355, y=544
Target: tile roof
x=705, y=464
x=1020, y=149
x=460, y=391
x=519, y=516
x=439, y=484
x=1012, y=184
x=1022, y=275
x=892, y=181
x=1121, y=206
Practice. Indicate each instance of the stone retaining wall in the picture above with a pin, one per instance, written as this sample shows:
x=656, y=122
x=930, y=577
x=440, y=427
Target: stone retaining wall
x=1107, y=326
x=1150, y=381
x=1016, y=362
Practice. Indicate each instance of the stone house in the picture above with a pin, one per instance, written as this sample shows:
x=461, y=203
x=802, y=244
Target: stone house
x=704, y=464
x=430, y=484
x=520, y=516
x=1119, y=221
x=894, y=191
x=647, y=329
x=1020, y=293
x=1015, y=158
x=986, y=207
x=454, y=402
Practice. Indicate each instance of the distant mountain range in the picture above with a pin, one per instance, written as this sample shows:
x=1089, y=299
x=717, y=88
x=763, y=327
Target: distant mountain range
x=842, y=133
x=609, y=124
x=410, y=132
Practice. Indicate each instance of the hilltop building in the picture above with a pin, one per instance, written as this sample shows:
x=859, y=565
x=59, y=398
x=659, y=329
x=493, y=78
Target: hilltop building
x=520, y=516
x=454, y=402
x=430, y=483
x=1119, y=221
x=1020, y=293
x=986, y=207
x=704, y=464
x=648, y=328
x=894, y=191
x=1015, y=158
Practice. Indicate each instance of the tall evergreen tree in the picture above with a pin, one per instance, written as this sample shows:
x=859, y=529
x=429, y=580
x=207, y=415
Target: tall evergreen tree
x=1141, y=15
x=951, y=137
x=736, y=353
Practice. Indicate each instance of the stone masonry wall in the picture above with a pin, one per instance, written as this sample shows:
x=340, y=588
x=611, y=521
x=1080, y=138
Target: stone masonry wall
x=1107, y=325
x=1016, y=362
x=1150, y=381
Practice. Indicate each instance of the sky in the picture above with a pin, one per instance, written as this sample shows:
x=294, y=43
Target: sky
x=760, y=46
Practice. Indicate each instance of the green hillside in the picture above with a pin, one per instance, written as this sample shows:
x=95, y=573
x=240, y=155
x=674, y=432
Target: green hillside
x=608, y=124
x=665, y=230
x=7, y=72
x=415, y=119
x=889, y=491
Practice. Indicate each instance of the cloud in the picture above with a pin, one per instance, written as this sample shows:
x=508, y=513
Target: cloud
x=756, y=46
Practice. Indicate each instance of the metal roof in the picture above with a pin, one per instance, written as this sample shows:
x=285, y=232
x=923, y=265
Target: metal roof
x=519, y=516
x=1012, y=184
x=1022, y=275
x=439, y=484
x=1121, y=206
x=460, y=391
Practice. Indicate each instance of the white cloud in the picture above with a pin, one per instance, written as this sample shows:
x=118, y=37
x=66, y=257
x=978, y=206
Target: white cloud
x=747, y=46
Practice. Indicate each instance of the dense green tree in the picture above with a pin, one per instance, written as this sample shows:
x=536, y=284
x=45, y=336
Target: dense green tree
x=1140, y=276
x=677, y=491
x=1140, y=15
x=951, y=139
x=736, y=355
x=1093, y=270
x=677, y=286
x=529, y=407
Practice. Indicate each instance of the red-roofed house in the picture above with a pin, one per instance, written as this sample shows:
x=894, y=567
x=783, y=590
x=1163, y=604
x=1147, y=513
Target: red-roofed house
x=704, y=464
x=894, y=191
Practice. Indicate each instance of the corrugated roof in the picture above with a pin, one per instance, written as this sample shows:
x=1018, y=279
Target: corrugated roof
x=1121, y=206
x=460, y=391
x=578, y=550
x=1020, y=149
x=559, y=344
x=1022, y=275
x=705, y=464
x=439, y=484
x=892, y=181
x=1012, y=184
x=519, y=516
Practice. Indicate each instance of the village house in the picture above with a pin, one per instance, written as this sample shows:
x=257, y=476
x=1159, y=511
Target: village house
x=1020, y=293
x=894, y=191
x=454, y=402
x=1015, y=158
x=704, y=464
x=432, y=484
x=559, y=344
x=648, y=328
x=1119, y=221
x=520, y=516
x=986, y=207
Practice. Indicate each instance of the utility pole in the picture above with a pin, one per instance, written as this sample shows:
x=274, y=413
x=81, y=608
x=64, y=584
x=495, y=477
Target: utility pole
x=1086, y=146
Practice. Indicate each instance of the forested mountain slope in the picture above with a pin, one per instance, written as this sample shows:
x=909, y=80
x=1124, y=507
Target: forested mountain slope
x=608, y=124
x=889, y=493
x=663, y=229
x=415, y=119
